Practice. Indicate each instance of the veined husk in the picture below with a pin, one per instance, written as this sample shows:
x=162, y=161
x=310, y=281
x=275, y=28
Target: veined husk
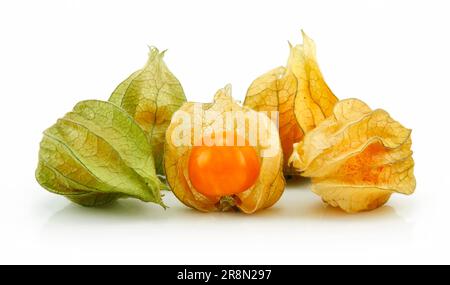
x=298, y=92
x=96, y=154
x=357, y=157
x=270, y=184
x=151, y=95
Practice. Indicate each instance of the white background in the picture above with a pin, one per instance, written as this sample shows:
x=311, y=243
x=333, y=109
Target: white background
x=391, y=54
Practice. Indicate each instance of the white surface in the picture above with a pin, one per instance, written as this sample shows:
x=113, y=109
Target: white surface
x=391, y=54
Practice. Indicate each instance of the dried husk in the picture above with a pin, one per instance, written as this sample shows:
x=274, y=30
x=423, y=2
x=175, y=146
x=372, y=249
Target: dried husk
x=357, y=157
x=268, y=187
x=298, y=92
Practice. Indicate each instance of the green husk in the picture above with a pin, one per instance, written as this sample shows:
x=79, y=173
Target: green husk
x=96, y=154
x=151, y=95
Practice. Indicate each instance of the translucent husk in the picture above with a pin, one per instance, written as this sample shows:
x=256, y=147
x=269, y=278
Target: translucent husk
x=357, y=157
x=270, y=184
x=298, y=92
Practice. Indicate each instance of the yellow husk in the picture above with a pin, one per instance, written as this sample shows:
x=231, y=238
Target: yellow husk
x=357, y=157
x=270, y=184
x=298, y=92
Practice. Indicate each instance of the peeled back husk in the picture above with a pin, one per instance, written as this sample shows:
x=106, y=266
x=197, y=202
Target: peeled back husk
x=191, y=118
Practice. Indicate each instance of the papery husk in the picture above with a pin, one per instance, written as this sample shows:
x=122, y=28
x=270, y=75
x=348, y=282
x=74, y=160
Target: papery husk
x=357, y=157
x=151, y=95
x=270, y=183
x=97, y=154
x=298, y=92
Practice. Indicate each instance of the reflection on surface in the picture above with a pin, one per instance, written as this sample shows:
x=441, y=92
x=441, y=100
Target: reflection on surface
x=296, y=204
x=299, y=218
